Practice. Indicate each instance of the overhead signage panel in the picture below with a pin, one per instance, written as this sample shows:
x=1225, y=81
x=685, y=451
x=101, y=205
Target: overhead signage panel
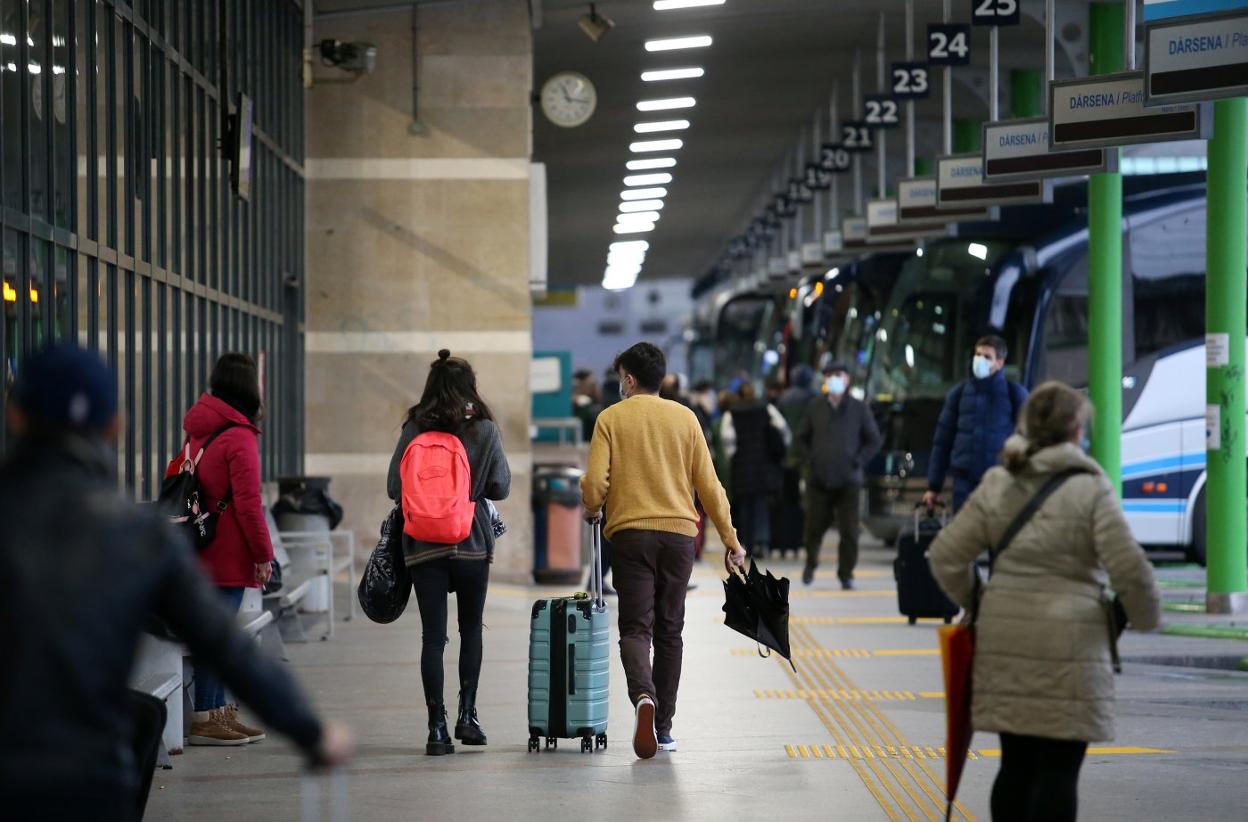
x=832, y=243
x=996, y=12
x=1173, y=9
x=1019, y=150
x=911, y=81
x=1196, y=60
x=948, y=44
x=856, y=137
x=1108, y=111
x=881, y=111
x=834, y=158
x=881, y=213
x=916, y=203
x=960, y=184
x=903, y=234
x=853, y=232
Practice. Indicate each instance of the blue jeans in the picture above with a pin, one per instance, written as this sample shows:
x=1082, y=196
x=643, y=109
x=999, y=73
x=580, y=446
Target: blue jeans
x=210, y=691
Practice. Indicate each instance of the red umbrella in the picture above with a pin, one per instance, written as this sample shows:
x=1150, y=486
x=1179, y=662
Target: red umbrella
x=957, y=652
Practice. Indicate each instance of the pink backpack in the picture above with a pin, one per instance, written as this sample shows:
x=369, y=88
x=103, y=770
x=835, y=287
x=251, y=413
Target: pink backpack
x=437, y=483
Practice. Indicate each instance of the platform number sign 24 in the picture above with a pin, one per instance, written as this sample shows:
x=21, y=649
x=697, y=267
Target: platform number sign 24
x=948, y=44
x=910, y=81
x=995, y=12
x=881, y=111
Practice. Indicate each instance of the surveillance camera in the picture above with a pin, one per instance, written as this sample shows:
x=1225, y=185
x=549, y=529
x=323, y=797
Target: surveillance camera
x=594, y=24
x=357, y=58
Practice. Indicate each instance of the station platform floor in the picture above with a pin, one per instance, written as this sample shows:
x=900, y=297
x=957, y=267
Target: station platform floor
x=855, y=734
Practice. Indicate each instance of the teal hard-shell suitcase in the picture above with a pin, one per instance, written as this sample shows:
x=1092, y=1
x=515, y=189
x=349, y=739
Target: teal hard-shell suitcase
x=569, y=665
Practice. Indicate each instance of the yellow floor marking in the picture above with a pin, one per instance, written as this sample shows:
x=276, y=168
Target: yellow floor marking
x=909, y=652
x=826, y=620
x=1113, y=751
x=805, y=752
x=932, y=694
x=792, y=753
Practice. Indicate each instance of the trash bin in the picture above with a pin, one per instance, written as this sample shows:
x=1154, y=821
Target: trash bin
x=304, y=506
x=557, y=525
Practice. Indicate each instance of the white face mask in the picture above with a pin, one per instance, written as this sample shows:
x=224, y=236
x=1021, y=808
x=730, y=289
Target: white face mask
x=836, y=385
x=981, y=367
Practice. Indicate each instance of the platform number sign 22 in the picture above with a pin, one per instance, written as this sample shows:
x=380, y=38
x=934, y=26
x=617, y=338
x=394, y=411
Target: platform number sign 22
x=995, y=12
x=948, y=44
x=881, y=111
x=910, y=81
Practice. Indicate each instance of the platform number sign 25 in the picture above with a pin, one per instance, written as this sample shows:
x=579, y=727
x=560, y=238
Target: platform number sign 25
x=995, y=12
x=948, y=44
x=881, y=111
x=910, y=81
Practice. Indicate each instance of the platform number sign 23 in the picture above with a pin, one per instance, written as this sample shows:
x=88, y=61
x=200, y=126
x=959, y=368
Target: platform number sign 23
x=881, y=111
x=995, y=12
x=910, y=81
x=948, y=44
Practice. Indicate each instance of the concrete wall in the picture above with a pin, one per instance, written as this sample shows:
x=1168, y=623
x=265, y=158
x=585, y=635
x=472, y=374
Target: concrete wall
x=419, y=240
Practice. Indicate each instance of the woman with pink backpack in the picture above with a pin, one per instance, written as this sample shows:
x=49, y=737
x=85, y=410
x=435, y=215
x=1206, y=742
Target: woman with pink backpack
x=448, y=465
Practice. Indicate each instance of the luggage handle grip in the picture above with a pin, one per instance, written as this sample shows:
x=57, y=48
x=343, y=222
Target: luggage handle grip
x=571, y=668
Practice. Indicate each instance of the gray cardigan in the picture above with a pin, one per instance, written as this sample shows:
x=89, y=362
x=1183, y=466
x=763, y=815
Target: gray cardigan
x=491, y=479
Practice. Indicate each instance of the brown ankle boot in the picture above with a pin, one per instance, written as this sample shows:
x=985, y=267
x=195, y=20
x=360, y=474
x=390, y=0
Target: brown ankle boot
x=228, y=716
x=207, y=729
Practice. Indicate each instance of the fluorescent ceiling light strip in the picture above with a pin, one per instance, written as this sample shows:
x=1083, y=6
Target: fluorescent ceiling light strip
x=655, y=145
x=633, y=228
x=657, y=75
x=647, y=165
x=638, y=217
x=643, y=194
x=662, y=178
x=623, y=244
x=698, y=41
x=666, y=104
x=668, y=5
x=641, y=205
x=661, y=125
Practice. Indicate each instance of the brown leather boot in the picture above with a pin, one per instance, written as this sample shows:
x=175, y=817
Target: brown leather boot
x=207, y=729
x=228, y=716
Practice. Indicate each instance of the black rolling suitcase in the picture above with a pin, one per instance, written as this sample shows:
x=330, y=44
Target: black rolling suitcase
x=918, y=595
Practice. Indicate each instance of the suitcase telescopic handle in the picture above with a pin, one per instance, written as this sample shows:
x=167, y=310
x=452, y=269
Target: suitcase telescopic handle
x=596, y=585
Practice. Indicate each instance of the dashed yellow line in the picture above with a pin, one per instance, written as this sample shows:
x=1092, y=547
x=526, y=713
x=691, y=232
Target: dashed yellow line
x=803, y=651
x=883, y=752
x=1097, y=751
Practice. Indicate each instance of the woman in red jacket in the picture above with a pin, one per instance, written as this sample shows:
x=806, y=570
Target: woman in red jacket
x=240, y=555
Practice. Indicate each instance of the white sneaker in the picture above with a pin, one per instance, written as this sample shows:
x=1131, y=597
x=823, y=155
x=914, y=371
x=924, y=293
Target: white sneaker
x=645, y=741
x=666, y=743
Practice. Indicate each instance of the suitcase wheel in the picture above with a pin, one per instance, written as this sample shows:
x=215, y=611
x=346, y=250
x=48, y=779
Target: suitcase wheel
x=587, y=744
x=913, y=620
x=551, y=742
x=601, y=741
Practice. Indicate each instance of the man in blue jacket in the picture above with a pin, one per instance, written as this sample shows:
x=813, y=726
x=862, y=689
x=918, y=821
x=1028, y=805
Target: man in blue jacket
x=978, y=417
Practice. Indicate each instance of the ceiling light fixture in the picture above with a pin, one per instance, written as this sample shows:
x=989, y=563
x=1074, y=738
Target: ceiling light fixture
x=662, y=178
x=690, y=73
x=661, y=125
x=638, y=217
x=643, y=194
x=633, y=228
x=666, y=104
x=668, y=5
x=621, y=245
x=654, y=145
x=699, y=41
x=641, y=205
x=646, y=165
x=594, y=24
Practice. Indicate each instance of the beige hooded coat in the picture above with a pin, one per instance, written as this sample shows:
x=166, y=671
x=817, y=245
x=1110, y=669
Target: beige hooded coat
x=1042, y=658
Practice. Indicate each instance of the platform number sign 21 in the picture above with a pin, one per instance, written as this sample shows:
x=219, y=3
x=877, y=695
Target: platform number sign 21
x=881, y=111
x=948, y=44
x=856, y=136
x=995, y=12
x=910, y=81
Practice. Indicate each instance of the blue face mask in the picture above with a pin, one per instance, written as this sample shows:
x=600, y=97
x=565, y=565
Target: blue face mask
x=1086, y=444
x=981, y=367
x=836, y=385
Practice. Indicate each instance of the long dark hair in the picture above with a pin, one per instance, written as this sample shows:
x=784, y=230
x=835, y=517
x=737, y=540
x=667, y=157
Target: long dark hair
x=450, y=398
x=236, y=381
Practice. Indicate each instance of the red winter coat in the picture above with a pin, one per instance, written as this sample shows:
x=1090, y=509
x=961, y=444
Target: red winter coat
x=232, y=462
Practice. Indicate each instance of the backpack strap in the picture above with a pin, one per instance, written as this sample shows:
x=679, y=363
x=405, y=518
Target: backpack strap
x=225, y=501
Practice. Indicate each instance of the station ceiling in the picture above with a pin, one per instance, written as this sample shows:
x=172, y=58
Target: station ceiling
x=771, y=66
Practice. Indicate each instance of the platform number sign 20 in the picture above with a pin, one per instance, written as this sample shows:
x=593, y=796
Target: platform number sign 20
x=910, y=81
x=948, y=44
x=881, y=111
x=856, y=136
x=995, y=12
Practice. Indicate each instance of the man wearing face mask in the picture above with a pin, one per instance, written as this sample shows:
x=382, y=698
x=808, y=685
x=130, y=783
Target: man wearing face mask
x=836, y=438
x=978, y=417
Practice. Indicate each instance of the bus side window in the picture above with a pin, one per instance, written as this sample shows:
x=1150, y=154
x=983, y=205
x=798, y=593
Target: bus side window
x=1066, y=328
x=1168, y=273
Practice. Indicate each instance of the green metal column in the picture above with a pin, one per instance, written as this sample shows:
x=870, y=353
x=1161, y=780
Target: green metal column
x=1226, y=293
x=1105, y=267
x=922, y=166
x=1026, y=93
x=967, y=136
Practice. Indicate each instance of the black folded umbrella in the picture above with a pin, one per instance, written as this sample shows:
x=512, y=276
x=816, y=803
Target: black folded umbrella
x=757, y=606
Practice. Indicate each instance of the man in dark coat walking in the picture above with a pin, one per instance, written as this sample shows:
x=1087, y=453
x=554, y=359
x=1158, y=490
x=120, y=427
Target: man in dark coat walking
x=979, y=415
x=837, y=438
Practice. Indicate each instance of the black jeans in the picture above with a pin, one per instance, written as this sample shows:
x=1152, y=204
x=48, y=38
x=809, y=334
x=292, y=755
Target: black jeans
x=432, y=581
x=1038, y=780
x=823, y=506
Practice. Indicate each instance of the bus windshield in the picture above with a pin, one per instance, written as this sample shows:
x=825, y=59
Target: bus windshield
x=924, y=339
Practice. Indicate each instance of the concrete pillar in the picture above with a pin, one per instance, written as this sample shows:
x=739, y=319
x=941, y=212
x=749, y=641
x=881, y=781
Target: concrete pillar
x=418, y=239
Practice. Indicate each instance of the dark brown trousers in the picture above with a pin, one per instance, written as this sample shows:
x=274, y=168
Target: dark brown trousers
x=651, y=571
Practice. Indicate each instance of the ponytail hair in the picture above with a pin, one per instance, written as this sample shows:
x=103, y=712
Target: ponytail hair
x=1053, y=414
x=450, y=398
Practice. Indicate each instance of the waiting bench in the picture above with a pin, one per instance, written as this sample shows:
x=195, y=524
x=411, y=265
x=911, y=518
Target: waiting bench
x=310, y=562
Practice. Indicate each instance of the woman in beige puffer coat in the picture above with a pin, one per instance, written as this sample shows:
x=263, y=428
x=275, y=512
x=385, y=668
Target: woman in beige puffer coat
x=1043, y=677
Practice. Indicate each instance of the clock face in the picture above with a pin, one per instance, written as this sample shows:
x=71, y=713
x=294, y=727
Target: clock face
x=569, y=99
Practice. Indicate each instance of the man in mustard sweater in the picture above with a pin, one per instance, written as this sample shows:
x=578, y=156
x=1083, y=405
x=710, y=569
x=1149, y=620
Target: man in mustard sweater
x=647, y=458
